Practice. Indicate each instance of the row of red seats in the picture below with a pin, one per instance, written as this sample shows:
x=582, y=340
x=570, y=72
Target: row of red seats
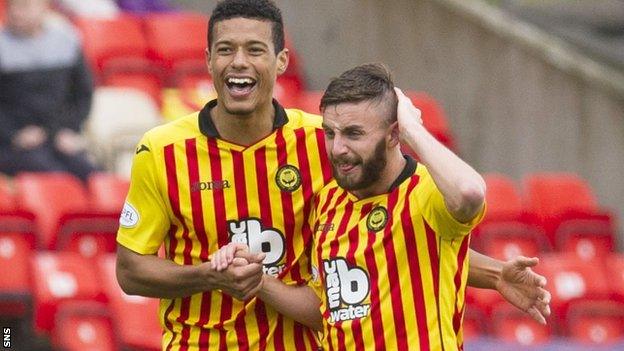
x=56, y=211
x=78, y=305
x=555, y=211
x=576, y=287
x=155, y=50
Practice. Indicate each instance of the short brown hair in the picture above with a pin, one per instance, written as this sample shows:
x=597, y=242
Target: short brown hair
x=369, y=82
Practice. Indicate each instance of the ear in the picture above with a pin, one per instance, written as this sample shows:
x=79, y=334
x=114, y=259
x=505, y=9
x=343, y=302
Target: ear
x=393, y=135
x=208, y=61
x=283, y=58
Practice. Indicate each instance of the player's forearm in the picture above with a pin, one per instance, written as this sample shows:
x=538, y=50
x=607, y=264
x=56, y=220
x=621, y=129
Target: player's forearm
x=151, y=276
x=462, y=187
x=297, y=302
x=484, y=271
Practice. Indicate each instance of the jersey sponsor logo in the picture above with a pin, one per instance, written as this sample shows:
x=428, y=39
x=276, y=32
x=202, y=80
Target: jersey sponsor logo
x=129, y=216
x=288, y=178
x=324, y=227
x=377, y=219
x=211, y=185
x=142, y=148
x=249, y=231
x=346, y=288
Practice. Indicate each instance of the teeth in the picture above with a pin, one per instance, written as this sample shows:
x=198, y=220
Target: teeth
x=240, y=81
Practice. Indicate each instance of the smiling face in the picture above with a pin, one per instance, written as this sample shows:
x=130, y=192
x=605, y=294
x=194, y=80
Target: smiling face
x=357, y=141
x=244, y=65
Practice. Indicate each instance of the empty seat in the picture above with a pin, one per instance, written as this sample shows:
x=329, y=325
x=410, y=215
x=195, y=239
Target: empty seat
x=177, y=40
x=287, y=91
x=118, y=119
x=116, y=44
x=598, y=323
x=503, y=198
x=571, y=280
x=7, y=199
x=2, y=11
x=508, y=239
x=513, y=325
x=59, y=278
x=473, y=325
x=433, y=116
x=138, y=315
x=107, y=192
x=50, y=196
x=147, y=82
x=84, y=326
x=614, y=265
x=16, y=250
x=564, y=205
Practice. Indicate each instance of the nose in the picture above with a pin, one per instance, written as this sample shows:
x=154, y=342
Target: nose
x=338, y=146
x=240, y=59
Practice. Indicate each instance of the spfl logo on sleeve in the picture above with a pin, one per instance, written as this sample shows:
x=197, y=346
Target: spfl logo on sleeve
x=346, y=289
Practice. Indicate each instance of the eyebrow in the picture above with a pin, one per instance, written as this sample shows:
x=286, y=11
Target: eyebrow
x=247, y=43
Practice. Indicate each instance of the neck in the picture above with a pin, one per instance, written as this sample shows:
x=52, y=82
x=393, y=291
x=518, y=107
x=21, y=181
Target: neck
x=394, y=166
x=246, y=129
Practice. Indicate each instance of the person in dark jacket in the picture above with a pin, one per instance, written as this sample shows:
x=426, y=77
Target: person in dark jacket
x=45, y=93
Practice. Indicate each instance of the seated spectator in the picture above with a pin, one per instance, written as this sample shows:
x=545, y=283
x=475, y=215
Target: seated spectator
x=46, y=93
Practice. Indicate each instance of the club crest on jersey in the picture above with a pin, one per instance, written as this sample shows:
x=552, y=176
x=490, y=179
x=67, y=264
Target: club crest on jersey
x=288, y=178
x=377, y=219
x=347, y=287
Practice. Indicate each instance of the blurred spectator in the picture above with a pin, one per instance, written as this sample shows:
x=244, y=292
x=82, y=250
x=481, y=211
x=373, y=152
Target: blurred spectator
x=46, y=93
x=89, y=8
x=145, y=6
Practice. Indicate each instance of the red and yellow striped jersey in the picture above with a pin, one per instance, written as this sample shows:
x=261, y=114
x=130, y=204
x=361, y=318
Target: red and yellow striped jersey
x=390, y=270
x=194, y=193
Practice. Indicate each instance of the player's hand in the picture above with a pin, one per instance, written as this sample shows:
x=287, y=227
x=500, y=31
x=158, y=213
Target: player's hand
x=524, y=288
x=69, y=142
x=221, y=259
x=241, y=279
x=408, y=115
x=29, y=137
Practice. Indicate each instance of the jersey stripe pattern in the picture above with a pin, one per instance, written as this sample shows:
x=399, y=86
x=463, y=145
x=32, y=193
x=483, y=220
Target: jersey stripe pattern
x=196, y=193
x=390, y=270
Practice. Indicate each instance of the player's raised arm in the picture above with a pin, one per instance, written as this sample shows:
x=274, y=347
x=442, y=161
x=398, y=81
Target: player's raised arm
x=462, y=187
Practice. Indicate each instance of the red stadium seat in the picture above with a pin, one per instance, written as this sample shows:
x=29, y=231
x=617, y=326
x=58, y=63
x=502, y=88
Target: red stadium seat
x=310, y=100
x=84, y=327
x=473, y=324
x=483, y=300
x=177, y=40
x=16, y=250
x=571, y=280
x=503, y=198
x=114, y=45
x=506, y=240
x=2, y=11
x=7, y=198
x=138, y=315
x=614, y=265
x=50, y=196
x=598, y=323
x=513, y=325
x=433, y=117
x=59, y=278
x=287, y=91
x=108, y=192
x=564, y=205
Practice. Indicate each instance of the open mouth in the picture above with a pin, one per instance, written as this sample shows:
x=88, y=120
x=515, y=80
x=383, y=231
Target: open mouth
x=240, y=86
x=345, y=167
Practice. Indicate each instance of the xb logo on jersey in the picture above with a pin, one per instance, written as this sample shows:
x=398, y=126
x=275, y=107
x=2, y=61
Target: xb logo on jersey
x=377, y=219
x=288, y=178
x=268, y=240
x=346, y=289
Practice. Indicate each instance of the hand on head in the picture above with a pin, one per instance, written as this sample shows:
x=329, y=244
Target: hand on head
x=408, y=115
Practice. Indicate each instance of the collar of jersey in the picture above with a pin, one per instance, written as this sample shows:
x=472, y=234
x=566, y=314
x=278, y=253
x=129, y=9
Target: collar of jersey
x=207, y=127
x=407, y=172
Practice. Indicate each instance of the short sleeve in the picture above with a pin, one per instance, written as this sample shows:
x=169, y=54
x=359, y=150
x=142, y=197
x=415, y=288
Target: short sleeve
x=144, y=220
x=434, y=210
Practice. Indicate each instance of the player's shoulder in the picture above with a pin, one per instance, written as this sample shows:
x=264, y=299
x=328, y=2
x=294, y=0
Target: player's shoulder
x=331, y=189
x=168, y=133
x=301, y=119
x=422, y=171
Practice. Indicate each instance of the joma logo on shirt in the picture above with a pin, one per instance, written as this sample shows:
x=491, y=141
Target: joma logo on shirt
x=212, y=185
x=345, y=286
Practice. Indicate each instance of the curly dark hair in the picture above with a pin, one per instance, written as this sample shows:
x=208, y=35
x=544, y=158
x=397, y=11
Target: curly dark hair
x=368, y=82
x=264, y=10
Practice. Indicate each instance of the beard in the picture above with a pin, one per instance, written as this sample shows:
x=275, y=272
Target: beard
x=372, y=169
